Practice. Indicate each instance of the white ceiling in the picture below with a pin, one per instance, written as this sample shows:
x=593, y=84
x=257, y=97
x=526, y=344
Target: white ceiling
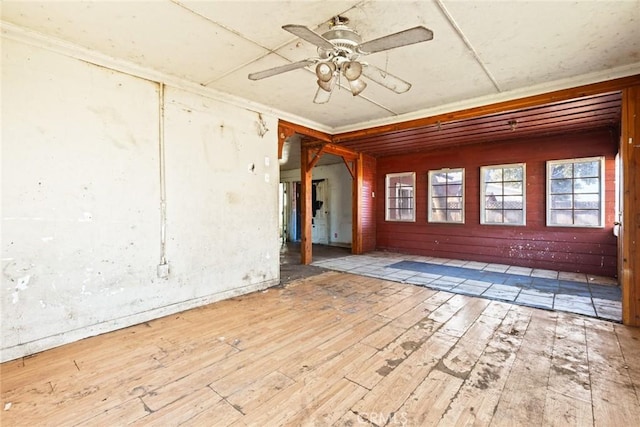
x=482, y=51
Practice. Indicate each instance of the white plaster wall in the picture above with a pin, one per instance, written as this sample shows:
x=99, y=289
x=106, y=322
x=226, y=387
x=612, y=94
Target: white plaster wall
x=222, y=195
x=81, y=200
x=340, y=182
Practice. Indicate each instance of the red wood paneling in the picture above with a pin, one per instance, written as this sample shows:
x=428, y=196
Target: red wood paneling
x=588, y=250
x=368, y=204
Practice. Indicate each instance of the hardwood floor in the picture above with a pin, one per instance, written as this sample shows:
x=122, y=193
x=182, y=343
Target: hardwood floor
x=338, y=349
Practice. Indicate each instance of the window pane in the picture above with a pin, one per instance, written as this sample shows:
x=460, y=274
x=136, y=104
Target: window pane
x=513, y=174
x=454, y=216
x=438, y=214
x=494, y=217
x=402, y=181
x=587, y=169
x=513, y=217
x=559, y=186
x=513, y=188
x=562, y=170
x=587, y=185
x=493, y=175
x=454, y=202
x=589, y=218
x=439, y=178
x=493, y=202
x=561, y=202
x=560, y=217
x=587, y=201
x=439, y=202
x=513, y=202
x=439, y=190
x=455, y=177
x=454, y=190
x=494, y=188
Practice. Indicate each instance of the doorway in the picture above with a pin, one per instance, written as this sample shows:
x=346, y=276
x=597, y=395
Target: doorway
x=320, y=211
x=290, y=212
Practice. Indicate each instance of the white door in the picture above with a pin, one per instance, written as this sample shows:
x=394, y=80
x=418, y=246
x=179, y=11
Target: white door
x=320, y=211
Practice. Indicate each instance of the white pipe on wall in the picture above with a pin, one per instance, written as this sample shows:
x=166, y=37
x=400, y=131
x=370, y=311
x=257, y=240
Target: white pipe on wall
x=163, y=189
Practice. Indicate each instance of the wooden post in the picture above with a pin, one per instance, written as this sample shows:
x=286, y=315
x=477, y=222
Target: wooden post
x=630, y=232
x=305, y=206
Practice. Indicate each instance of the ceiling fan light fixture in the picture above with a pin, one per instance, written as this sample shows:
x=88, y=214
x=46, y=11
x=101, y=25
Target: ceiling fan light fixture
x=357, y=86
x=338, y=52
x=325, y=70
x=352, y=70
x=327, y=86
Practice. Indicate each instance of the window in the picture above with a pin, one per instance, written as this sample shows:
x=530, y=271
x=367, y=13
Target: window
x=575, y=192
x=502, y=198
x=400, y=196
x=446, y=196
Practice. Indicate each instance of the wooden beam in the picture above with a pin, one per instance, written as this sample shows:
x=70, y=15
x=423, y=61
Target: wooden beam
x=351, y=167
x=336, y=150
x=499, y=107
x=344, y=152
x=305, y=207
x=630, y=231
x=303, y=130
x=316, y=157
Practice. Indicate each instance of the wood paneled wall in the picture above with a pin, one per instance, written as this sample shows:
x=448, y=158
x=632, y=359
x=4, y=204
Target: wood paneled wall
x=369, y=195
x=588, y=250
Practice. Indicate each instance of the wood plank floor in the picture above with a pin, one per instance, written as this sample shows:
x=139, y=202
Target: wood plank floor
x=338, y=349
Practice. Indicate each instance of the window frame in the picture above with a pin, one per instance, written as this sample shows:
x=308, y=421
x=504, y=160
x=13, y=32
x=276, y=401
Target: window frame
x=483, y=209
x=387, y=208
x=430, y=174
x=601, y=192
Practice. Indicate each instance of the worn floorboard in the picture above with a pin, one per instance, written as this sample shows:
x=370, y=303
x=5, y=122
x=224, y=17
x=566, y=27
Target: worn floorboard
x=337, y=349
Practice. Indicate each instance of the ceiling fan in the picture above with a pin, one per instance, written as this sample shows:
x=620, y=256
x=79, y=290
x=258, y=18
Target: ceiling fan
x=338, y=53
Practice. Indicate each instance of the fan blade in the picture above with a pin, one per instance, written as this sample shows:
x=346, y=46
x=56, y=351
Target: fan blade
x=281, y=69
x=403, y=38
x=385, y=79
x=322, y=96
x=311, y=36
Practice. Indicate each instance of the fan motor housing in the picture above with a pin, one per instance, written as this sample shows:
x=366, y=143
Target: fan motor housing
x=343, y=38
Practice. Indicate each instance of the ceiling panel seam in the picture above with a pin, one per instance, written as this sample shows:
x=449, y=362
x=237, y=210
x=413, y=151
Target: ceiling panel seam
x=242, y=36
x=231, y=30
x=466, y=41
